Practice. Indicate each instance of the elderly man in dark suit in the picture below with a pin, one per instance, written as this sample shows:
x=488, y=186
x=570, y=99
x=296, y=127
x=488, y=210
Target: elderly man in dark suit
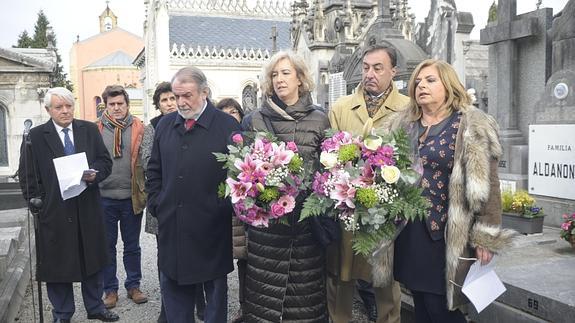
x=195, y=226
x=71, y=239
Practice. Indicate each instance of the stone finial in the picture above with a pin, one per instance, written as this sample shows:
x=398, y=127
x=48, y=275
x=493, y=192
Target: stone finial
x=50, y=37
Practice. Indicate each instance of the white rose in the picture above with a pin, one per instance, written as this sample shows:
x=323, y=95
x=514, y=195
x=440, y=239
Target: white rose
x=390, y=174
x=328, y=160
x=372, y=142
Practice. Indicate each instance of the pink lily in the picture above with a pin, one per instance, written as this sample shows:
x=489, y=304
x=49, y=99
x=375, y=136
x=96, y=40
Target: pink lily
x=238, y=189
x=281, y=155
x=343, y=192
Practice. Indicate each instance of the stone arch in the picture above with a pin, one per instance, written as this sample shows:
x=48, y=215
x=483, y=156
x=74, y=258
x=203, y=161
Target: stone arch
x=3, y=136
x=249, y=97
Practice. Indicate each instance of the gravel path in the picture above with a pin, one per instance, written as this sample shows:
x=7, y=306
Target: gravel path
x=126, y=309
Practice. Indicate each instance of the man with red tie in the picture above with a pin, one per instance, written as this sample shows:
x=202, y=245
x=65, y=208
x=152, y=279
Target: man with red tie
x=195, y=225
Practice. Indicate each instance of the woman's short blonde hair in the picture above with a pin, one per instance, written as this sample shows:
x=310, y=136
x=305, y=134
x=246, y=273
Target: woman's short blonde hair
x=456, y=97
x=303, y=74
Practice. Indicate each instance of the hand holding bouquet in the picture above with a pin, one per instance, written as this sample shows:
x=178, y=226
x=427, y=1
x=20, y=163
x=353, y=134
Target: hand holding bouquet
x=368, y=184
x=264, y=178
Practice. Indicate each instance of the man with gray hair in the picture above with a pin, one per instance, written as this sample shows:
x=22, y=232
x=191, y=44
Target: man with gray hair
x=71, y=238
x=195, y=225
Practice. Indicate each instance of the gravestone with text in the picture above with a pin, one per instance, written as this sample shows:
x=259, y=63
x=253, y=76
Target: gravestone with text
x=531, y=93
x=552, y=160
x=519, y=65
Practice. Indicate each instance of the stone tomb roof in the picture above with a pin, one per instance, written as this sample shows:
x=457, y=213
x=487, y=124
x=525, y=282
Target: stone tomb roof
x=227, y=32
x=118, y=58
x=27, y=59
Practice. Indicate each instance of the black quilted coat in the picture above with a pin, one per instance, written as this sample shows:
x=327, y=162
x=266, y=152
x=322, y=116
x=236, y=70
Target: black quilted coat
x=286, y=266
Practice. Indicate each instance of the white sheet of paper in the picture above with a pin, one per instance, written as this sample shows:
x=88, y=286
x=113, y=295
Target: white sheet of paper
x=482, y=286
x=69, y=170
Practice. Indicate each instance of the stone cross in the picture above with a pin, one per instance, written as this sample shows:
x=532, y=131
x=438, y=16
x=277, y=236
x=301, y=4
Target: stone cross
x=274, y=38
x=502, y=36
x=384, y=12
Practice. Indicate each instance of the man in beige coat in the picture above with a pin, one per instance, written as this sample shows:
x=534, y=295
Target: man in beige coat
x=376, y=98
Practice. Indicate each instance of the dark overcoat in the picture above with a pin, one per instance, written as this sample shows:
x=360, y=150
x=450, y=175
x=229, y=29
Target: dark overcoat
x=194, y=224
x=71, y=236
x=285, y=277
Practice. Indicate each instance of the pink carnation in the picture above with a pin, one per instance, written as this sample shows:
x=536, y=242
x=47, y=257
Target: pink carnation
x=237, y=138
x=292, y=146
x=277, y=210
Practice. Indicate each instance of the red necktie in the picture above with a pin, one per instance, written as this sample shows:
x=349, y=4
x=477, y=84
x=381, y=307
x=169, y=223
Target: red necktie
x=189, y=124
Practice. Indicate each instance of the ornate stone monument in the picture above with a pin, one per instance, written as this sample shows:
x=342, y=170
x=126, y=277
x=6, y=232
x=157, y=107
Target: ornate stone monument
x=25, y=74
x=382, y=32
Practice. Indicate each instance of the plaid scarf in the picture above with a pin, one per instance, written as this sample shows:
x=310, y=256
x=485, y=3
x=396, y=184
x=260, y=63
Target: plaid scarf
x=117, y=126
x=373, y=103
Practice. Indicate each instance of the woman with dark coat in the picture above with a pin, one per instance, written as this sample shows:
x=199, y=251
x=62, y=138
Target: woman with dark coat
x=165, y=101
x=458, y=147
x=286, y=266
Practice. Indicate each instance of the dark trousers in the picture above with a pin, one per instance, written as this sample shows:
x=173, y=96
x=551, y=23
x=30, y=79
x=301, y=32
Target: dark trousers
x=179, y=300
x=366, y=293
x=130, y=225
x=242, y=269
x=61, y=296
x=432, y=308
x=162, y=316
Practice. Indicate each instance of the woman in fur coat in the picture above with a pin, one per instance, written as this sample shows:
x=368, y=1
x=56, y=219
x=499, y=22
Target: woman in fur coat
x=458, y=148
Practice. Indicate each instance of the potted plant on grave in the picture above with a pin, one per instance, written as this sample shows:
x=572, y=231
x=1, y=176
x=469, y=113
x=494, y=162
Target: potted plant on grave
x=520, y=212
x=568, y=229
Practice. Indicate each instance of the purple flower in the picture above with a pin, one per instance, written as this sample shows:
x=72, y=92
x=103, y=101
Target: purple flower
x=382, y=157
x=318, y=184
x=329, y=145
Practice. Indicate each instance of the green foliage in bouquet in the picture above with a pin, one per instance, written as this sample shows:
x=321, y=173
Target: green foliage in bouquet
x=368, y=184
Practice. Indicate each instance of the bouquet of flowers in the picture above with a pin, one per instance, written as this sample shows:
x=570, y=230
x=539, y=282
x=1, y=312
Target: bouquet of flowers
x=369, y=185
x=264, y=178
x=568, y=228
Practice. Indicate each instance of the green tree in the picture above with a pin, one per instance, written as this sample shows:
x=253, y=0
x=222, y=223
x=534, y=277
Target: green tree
x=43, y=39
x=492, y=16
x=40, y=37
x=24, y=40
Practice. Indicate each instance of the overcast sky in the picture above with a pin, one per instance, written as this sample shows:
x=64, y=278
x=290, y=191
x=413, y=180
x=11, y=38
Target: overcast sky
x=70, y=18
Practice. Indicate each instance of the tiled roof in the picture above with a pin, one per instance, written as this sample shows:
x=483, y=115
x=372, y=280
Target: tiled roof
x=119, y=58
x=227, y=32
